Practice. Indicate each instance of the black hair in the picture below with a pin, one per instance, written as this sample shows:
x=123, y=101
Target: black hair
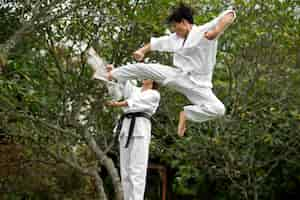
x=181, y=12
x=155, y=85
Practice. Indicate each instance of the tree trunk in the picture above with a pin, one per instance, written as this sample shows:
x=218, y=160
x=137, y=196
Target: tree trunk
x=108, y=164
x=99, y=186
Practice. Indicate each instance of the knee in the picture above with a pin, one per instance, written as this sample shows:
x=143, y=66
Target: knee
x=220, y=110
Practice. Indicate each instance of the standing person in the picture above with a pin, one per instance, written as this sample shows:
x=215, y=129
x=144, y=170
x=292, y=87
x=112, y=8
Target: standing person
x=194, y=48
x=135, y=134
x=134, y=127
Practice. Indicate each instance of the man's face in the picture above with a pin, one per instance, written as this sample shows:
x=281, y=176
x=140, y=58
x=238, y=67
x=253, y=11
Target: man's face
x=147, y=82
x=180, y=28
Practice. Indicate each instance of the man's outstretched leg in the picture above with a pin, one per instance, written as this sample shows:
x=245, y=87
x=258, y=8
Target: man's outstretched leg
x=156, y=72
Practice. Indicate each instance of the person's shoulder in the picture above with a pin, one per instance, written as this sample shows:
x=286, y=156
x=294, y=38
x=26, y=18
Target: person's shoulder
x=199, y=28
x=172, y=36
x=157, y=94
x=154, y=92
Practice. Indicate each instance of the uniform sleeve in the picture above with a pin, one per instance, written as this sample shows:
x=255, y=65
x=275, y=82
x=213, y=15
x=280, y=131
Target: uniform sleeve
x=197, y=37
x=128, y=88
x=121, y=89
x=164, y=43
x=115, y=91
x=148, y=101
x=213, y=23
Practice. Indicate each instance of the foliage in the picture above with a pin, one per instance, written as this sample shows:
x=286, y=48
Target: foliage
x=47, y=98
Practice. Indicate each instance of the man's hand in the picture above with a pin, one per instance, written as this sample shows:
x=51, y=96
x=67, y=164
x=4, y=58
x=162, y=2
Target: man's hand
x=138, y=55
x=228, y=18
x=225, y=21
x=109, y=67
x=111, y=103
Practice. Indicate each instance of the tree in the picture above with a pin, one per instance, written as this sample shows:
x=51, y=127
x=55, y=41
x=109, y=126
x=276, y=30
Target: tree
x=49, y=104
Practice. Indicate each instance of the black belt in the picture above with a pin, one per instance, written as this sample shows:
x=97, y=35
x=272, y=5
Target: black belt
x=131, y=116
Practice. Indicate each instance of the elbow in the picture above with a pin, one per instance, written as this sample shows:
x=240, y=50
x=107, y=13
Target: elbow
x=211, y=35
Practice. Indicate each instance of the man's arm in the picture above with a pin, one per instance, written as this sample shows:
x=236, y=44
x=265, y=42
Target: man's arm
x=117, y=103
x=148, y=102
x=224, y=22
x=164, y=43
x=140, y=53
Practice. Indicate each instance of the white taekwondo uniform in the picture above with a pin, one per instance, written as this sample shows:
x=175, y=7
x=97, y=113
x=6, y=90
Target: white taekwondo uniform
x=194, y=60
x=134, y=158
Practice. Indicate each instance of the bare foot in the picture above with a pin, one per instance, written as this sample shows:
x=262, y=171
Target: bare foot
x=181, y=124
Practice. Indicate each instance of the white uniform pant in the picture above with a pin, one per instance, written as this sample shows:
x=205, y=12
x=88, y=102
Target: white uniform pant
x=206, y=105
x=133, y=164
